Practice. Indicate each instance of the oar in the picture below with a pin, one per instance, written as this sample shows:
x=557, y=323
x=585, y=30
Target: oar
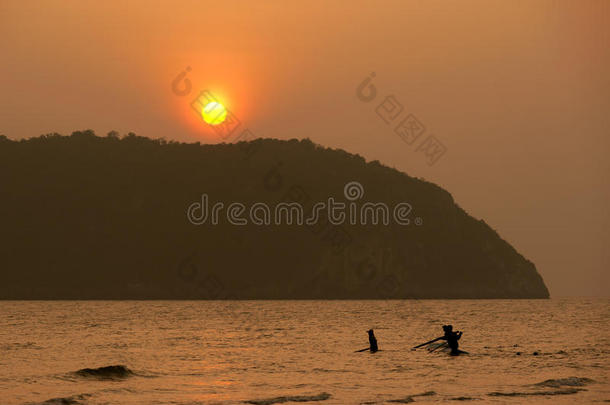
x=438, y=347
x=362, y=350
x=427, y=343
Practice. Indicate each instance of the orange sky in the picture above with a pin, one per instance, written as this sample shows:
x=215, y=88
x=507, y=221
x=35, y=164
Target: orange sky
x=518, y=92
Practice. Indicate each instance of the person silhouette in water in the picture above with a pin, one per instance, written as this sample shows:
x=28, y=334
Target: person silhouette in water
x=372, y=341
x=452, y=339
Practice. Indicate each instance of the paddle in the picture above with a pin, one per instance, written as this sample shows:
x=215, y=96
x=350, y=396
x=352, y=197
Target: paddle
x=427, y=343
x=444, y=345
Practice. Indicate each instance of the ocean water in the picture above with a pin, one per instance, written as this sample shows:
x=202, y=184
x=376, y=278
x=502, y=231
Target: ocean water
x=265, y=352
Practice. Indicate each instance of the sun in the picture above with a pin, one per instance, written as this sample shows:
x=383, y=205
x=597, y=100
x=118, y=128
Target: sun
x=214, y=113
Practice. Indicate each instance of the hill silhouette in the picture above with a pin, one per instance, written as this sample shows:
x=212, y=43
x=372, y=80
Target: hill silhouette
x=88, y=217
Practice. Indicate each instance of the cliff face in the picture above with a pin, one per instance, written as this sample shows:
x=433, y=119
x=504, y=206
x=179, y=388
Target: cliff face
x=91, y=217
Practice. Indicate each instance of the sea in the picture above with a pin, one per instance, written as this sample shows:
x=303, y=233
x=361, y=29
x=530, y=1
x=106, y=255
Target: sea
x=271, y=352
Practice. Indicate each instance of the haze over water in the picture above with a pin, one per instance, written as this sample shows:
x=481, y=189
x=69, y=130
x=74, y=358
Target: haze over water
x=210, y=352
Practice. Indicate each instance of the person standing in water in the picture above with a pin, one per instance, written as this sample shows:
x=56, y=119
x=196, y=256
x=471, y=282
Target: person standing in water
x=372, y=341
x=452, y=339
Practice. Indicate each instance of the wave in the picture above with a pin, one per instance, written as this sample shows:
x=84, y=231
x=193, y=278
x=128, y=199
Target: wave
x=73, y=400
x=293, y=398
x=566, y=391
x=409, y=399
x=558, y=383
x=405, y=400
x=105, y=373
x=566, y=382
x=19, y=346
x=329, y=370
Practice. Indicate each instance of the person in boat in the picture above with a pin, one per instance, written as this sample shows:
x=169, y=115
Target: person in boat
x=372, y=341
x=452, y=339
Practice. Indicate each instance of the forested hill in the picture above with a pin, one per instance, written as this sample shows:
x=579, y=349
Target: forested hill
x=88, y=217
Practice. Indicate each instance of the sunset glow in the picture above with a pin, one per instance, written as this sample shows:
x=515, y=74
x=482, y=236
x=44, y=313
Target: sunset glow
x=299, y=202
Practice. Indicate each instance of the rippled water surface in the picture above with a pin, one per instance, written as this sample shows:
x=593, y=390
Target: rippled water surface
x=201, y=352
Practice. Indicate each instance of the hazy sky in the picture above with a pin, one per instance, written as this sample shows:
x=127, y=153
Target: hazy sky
x=518, y=92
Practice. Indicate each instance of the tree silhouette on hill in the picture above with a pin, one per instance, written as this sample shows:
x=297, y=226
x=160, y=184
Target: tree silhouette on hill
x=105, y=217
